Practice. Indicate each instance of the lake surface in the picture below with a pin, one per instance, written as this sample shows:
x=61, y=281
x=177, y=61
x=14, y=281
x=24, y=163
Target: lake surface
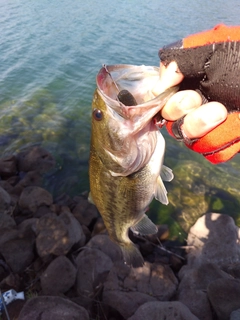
x=50, y=53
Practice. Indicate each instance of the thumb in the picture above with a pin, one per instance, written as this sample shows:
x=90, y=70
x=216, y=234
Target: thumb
x=169, y=76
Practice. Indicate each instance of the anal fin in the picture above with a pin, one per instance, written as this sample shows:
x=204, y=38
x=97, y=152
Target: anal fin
x=145, y=226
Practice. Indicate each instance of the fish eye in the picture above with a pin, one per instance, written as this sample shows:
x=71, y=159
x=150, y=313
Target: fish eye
x=97, y=114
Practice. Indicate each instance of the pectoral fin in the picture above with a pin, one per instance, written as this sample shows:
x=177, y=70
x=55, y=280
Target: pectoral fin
x=166, y=174
x=161, y=192
x=145, y=226
x=90, y=199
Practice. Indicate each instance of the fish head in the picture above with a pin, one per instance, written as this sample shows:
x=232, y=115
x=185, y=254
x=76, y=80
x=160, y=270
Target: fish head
x=124, y=136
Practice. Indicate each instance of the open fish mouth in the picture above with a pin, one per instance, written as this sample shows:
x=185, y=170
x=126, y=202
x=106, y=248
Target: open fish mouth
x=137, y=82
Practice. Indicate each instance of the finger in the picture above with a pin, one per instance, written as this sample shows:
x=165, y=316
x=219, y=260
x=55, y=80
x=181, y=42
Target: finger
x=180, y=104
x=202, y=120
x=169, y=76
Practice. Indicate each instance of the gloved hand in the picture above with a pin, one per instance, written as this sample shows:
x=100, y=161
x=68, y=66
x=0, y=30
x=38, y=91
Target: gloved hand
x=209, y=64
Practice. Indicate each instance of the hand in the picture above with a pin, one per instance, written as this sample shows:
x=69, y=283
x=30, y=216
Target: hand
x=208, y=72
x=200, y=118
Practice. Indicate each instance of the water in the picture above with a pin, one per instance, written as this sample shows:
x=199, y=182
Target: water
x=50, y=53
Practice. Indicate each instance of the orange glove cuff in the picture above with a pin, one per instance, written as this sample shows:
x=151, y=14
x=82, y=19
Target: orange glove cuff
x=219, y=145
x=219, y=33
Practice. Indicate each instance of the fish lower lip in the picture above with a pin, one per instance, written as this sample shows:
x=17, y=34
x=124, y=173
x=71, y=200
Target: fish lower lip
x=159, y=121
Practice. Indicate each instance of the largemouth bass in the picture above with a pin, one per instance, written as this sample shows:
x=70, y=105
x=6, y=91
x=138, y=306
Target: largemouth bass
x=127, y=151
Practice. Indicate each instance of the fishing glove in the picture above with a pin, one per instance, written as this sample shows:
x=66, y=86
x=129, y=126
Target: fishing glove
x=210, y=63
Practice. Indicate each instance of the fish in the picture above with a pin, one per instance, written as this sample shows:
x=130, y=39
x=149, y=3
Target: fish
x=126, y=168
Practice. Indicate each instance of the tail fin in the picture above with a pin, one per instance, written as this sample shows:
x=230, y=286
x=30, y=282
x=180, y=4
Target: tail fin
x=132, y=255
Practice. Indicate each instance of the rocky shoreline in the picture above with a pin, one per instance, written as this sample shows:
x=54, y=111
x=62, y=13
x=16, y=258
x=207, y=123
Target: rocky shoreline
x=58, y=252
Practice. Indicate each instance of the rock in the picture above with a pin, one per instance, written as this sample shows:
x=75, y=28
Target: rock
x=192, y=290
x=35, y=159
x=93, y=267
x=163, y=311
x=86, y=303
x=27, y=226
x=65, y=200
x=233, y=269
x=235, y=315
x=3, y=272
x=75, y=230
x=13, y=180
x=17, y=250
x=6, y=222
x=31, y=178
x=85, y=212
x=224, y=295
x=201, y=276
x=205, y=240
x=99, y=227
x=126, y=303
x=58, y=209
x=87, y=233
x=42, y=211
x=59, y=276
x=33, y=197
x=7, y=235
x=14, y=309
x=146, y=248
x=213, y=249
x=197, y=302
x=57, y=234
x=52, y=308
x=162, y=234
x=6, y=186
x=12, y=281
x=8, y=166
x=52, y=236
x=6, y=205
x=127, y=288
x=102, y=242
